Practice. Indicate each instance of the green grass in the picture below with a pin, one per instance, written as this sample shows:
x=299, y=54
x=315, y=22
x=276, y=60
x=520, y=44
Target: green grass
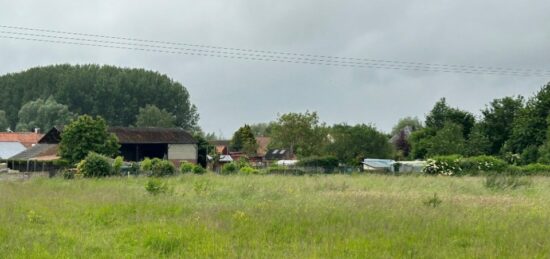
x=363, y=216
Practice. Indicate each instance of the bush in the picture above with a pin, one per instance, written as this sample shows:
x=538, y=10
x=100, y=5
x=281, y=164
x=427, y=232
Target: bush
x=117, y=164
x=249, y=170
x=146, y=165
x=476, y=164
x=327, y=163
x=533, y=169
x=95, y=165
x=162, y=167
x=198, y=169
x=229, y=168
x=155, y=187
x=443, y=165
x=457, y=165
x=186, y=167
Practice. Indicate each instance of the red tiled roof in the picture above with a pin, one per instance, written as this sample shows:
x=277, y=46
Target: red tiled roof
x=27, y=139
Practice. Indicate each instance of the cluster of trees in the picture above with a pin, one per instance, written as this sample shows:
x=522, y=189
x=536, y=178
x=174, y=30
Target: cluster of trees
x=45, y=96
x=508, y=127
x=305, y=136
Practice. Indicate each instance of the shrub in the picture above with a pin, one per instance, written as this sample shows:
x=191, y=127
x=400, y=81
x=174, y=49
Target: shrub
x=155, y=187
x=186, y=167
x=67, y=174
x=117, y=164
x=242, y=162
x=229, y=168
x=533, y=169
x=95, y=165
x=473, y=165
x=162, y=167
x=444, y=165
x=146, y=165
x=249, y=170
x=197, y=169
x=327, y=163
x=432, y=201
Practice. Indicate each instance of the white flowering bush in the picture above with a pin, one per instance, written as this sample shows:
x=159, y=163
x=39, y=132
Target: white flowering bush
x=443, y=165
x=457, y=165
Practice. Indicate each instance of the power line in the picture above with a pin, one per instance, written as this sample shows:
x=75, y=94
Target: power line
x=264, y=56
x=246, y=54
x=267, y=52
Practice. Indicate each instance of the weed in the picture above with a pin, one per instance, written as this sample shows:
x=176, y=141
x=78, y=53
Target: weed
x=155, y=187
x=433, y=201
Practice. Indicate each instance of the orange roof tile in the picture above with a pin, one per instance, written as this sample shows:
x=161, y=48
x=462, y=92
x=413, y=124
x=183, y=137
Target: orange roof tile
x=27, y=139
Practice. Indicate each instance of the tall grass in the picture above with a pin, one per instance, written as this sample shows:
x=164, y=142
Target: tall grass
x=325, y=216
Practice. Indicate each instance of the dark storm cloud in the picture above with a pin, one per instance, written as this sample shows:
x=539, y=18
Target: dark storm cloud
x=229, y=93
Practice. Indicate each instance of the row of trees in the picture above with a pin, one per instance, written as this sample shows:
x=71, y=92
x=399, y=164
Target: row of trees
x=46, y=113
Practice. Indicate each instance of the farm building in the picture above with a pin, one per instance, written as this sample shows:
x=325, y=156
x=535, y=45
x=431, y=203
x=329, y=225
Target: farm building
x=175, y=145
x=12, y=143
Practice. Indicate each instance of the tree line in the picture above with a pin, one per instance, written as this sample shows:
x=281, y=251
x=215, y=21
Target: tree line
x=44, y=96
x=511, y=128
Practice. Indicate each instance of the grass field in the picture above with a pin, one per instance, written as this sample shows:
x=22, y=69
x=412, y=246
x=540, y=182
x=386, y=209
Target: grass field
x=339, y=216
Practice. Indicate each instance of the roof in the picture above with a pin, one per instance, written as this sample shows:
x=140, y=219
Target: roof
x=226, y=158
x=277, y=154
x=8, y=149
x=27, y=139
x=38, y=150
x=378, y=163
x=152, y=136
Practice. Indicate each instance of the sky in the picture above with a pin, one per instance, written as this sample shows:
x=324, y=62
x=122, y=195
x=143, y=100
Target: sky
x=231, y=92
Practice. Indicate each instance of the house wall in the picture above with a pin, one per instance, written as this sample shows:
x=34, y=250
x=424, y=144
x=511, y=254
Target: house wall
x=180, y=152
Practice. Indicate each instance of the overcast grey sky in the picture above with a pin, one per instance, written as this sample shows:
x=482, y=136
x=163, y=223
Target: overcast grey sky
x=229, y=93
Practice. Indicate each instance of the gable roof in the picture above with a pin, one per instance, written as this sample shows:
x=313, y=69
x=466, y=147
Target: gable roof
x=152, y=136
x=27, y=139
x=38, y=150
x=128, y=135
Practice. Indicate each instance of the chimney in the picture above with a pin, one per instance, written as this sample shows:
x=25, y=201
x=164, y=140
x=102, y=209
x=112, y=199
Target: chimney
x=36, y=130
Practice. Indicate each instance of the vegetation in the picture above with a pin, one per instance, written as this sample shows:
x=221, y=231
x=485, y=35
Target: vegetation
x=244, y=140
x=302, y=134
x=98, y=91
x=186, y=167
x=248, y=216
x=161, y=167
x=95, y=165
x=43, y=114
x=84, y=135
x=152, y=116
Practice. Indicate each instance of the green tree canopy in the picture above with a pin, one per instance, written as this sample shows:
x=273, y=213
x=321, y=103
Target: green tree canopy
x=300, y=132
x=412, y=122
x=442, y=114
x=498, y=120
x=84, y=135
x=262, y=129
x=4, y=124
x=152, y=116
x=113, y=93
x=244, y=140
x=530, y=124
x=447, y=141
x=43, y=114
x=351, y=144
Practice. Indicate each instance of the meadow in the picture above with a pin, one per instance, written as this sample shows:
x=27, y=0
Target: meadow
x=273, y=216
